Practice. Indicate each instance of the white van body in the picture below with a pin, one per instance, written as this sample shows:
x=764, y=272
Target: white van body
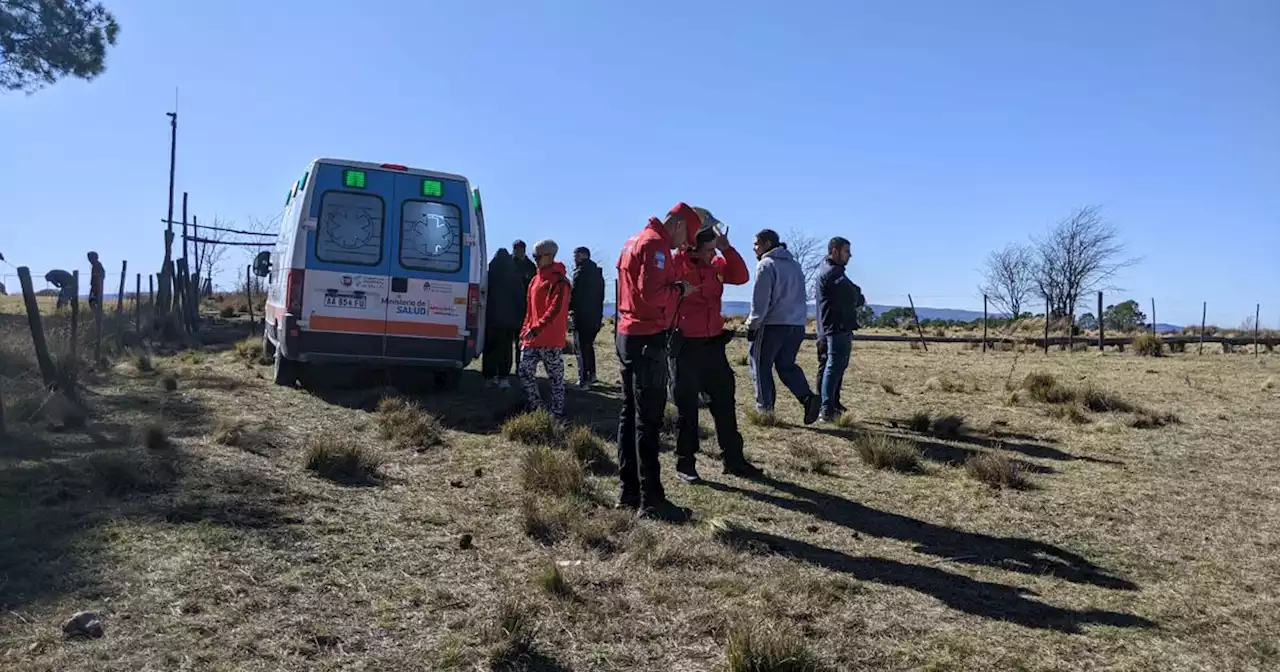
x=377, y=264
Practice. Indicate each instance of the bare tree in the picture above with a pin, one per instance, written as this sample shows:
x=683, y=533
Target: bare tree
x=211, y=250
x=1079, y=255
x=809, y=252
x=1009, y=278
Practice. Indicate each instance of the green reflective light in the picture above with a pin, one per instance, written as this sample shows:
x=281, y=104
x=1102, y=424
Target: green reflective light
x=303, y=182
x=288, y=197
x=354, y=179
x=475, y=198
x=431, y=188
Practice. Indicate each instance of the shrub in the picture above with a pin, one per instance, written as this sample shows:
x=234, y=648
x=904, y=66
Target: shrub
x=768, y=647
x=536, y=428
x=155, y=438
x=547, y=524
x=406, y=425
x=169, y=383
x=919, y=422
x=1148, y=344
x=1153, y=420
x=227, y=311
x=342, y=461
x=1100, y=401
x=949, y=426
x=143, y=362
x=762, y=418
x=884, y=452
x=1044, y=387
x=552, y=472
x=120, y=474
x=1178, y=346
x=997, y=471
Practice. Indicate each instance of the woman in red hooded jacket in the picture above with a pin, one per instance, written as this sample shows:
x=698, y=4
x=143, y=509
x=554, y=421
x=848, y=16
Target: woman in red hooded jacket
x=546, y=324
x=699, y=363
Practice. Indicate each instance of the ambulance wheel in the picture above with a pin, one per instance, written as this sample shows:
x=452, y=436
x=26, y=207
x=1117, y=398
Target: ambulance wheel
x=448, y=380
x=285, y=371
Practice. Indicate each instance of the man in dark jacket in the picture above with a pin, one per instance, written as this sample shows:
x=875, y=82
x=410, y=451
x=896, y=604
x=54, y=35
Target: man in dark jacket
x=525, y=270
x=838, y=303
x=504, y=314
x=586, y=310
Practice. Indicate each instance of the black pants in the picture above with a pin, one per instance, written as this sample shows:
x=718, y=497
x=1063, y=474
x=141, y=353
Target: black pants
x=643, y=361
x=584, y=343
x=498, y=352
x=700, y=365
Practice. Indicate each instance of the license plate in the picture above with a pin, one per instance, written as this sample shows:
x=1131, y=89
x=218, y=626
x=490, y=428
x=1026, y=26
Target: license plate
x=344, y=301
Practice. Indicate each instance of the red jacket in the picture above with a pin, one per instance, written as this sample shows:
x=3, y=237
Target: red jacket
x=547, y=316
x=700, y=315
x=647, y=274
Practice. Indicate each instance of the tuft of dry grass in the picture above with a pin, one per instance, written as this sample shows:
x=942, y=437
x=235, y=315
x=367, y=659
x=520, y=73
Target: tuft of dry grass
x=553, y=472
x=919, y=422
x=1269, y=385
x=742, y=360
x=950, y=426
x=590, y=451
x=951, y=384
x=886, y=452
x=1146, y=419
x=846, y=420
x=997, y=471
x=143, y=362
x=1073, y=413
x=250, y=350
x=548, y=524
x=123, y=473
x=1101, y=401
x=227, y=311
x=535, y=428
x=768, y=647
x=553, y=583
x=762, y=418
x=1045, y=388
x=1148, y=344
x=343, y=461
x=512, y=635
x=407, y=426
x=888, y=388
x=169, y=383
x=154, y=437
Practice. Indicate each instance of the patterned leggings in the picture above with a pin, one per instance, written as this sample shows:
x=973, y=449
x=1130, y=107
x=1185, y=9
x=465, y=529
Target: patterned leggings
x=553, y=361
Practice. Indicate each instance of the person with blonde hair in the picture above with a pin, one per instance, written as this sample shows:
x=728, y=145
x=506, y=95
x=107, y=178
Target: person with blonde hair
x=546, y=326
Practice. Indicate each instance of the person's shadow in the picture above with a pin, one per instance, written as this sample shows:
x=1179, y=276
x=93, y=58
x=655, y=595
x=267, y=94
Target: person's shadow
x=981, y=598
x=1024, y=556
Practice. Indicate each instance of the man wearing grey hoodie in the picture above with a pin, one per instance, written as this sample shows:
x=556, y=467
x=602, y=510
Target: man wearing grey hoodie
x=775, y=327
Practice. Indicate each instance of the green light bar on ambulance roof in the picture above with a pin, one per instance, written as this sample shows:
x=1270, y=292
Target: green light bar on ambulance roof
x=475, y=200
x=431, y=188
x=354, y=179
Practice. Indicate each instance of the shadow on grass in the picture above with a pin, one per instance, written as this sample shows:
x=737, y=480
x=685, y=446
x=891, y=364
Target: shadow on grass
x=934, y=451
x=990, y=600
x=1029, y=446
x=1024, y=556
x=54, y=505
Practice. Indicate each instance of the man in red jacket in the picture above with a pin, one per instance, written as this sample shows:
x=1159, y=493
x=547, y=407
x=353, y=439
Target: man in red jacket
x=649, y=292
x=698, y=360
x=546, y=323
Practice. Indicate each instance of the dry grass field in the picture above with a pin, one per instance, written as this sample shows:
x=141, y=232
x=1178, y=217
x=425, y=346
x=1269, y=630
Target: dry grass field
x=1006, y=511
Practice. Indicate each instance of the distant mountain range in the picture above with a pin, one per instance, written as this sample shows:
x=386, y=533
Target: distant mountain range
x=742, y=308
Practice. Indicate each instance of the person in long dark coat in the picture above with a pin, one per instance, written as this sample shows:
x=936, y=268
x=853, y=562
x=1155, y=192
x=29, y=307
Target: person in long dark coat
x=504, y=313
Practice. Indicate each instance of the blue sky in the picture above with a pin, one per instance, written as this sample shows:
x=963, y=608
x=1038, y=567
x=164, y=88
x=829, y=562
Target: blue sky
x=927, y=132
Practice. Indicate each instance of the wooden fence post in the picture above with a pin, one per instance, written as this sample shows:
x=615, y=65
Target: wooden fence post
x=1102, y=336
x=137, y=303
x=151, y=291
x=919, y=329
x=1257, y=315
x=124, y=267
x=1047, y=311
x=1071, y=330
x=97, y=331
x=1153, y=315
x=75, y=315
x=248, y=291
x=984, y=322
x=47, y=372
x=1204, y=311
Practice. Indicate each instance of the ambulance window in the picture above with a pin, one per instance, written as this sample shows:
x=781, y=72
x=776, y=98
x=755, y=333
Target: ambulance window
x=350, y=229
x=431, y=236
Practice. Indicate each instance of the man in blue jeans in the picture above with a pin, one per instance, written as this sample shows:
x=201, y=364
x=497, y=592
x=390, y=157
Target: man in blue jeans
x=838, y=302
x=775, y=327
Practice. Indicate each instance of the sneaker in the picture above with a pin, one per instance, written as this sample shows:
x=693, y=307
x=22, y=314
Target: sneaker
x=812, y=408
x=827, y=416
x=688, y=475
x=743, y=469
x=504, y=384
x=665, y=511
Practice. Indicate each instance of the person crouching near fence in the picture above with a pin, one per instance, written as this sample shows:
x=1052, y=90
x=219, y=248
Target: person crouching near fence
x=699, y=363
x=546, y=325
